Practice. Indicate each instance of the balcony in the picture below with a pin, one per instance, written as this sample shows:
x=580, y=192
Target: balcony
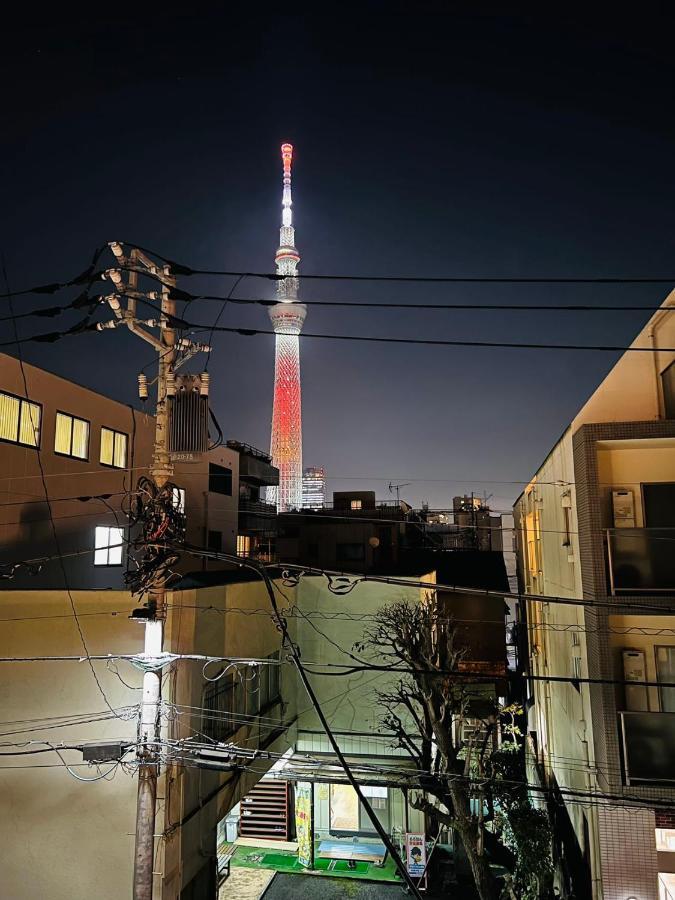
x=257, y=517
x=648, y=739
x=640, y=560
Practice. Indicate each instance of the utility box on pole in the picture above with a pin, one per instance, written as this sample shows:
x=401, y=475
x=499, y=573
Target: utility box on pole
x=188, y=399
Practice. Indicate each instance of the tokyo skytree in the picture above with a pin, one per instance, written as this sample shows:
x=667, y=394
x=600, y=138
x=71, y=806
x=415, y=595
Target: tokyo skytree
x=287, y=317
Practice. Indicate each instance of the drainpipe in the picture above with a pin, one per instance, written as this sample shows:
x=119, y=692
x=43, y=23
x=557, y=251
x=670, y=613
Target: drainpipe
x=593, y=825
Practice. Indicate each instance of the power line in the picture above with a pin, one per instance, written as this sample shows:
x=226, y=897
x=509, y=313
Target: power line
x=182, y=269
x=81, y=499
x=85, y=326
x=189, y=298
x=359, y=577
x=437, y=342
x=90, y=274
x=343, y=616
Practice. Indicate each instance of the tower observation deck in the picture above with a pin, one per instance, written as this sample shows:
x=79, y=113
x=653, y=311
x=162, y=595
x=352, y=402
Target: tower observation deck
x=287, y=317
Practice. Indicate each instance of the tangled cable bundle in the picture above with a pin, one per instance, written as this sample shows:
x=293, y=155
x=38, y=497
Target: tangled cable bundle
x=157, y=524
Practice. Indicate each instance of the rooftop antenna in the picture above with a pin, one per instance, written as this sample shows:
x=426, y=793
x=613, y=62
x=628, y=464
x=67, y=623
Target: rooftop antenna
x=397, y=488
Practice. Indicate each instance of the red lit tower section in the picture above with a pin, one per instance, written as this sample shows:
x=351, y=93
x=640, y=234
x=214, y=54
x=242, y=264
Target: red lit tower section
x=288, y=316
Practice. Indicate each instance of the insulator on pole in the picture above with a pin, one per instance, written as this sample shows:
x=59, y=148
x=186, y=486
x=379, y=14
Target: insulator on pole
x=170, y=384
x=143, y=386
x=204, y=384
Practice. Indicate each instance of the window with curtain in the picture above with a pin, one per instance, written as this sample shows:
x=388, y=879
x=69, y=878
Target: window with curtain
x=71, y=436
x=19, y=420
x=113, y=448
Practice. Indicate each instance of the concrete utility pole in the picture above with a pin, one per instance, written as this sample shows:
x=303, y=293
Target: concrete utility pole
x=135, y=263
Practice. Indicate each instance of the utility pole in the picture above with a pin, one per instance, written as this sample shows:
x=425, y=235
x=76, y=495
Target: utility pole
x=161, y=471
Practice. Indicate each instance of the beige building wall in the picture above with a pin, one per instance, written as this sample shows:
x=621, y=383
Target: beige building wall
x=632, y=391
x=66, y=839
x=233, y=620
x=63, y=838
x=549, y=564
x=561, y=714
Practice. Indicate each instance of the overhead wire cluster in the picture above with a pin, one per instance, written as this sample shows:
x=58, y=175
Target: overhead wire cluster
x=158, y=526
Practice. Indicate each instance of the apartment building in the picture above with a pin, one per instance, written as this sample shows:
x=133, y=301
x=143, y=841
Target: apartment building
x=597, y=523
x=92, y=451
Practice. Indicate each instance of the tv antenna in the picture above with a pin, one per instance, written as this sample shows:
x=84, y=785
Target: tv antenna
x=397, y=488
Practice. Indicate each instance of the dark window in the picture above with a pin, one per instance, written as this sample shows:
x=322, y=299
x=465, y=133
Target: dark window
x=223, y=707
x=668, y=381
x=215, y=540
x=659, y=504
x=268, y=693
x=230, y=701
x=220, y=480
x=350, y=551
x=313, y=550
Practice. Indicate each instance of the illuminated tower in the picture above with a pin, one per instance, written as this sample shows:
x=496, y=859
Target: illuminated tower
x=287, y=317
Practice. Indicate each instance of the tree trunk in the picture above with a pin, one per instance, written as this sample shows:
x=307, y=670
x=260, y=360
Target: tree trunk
x=486, y=884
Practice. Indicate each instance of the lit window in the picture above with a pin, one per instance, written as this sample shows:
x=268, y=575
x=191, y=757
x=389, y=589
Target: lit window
x=113, y=448
x=243, y=545
x=108, y=543
x=179, y=499
x=357, y=504
x=378, y=796
x=72, y=436
x=19, y=421
x=665, y=840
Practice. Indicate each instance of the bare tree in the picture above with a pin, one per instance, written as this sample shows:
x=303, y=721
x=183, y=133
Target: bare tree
x=425, y=711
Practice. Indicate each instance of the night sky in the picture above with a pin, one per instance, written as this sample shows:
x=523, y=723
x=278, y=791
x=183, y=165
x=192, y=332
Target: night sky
x=427, y=143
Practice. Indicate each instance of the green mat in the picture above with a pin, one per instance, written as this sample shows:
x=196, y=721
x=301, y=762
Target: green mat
x=287, y=861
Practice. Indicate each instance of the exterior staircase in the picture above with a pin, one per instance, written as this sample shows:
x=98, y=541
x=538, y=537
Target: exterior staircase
x=265, y=811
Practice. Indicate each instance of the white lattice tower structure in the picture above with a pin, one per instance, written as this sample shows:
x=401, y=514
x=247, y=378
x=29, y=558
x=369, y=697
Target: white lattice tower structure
x=287, y=317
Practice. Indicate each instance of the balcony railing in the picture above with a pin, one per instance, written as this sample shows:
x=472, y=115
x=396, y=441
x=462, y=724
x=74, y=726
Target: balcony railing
x=258, y=508
x=257, y=517
x=648, y=739
x=640, y=560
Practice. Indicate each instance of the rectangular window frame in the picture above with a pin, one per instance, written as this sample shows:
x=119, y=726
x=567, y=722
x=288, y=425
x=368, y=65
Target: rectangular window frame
x=73, y=419
x=116, y=434
x=355, y=553
x=21, y=401
x=109, y=547
x=178, y=499
x=668, y=390
x=663, y=691
x=225, y=473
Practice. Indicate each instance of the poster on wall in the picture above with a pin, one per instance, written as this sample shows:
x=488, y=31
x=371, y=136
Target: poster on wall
x=304, y=801
x=415, y=853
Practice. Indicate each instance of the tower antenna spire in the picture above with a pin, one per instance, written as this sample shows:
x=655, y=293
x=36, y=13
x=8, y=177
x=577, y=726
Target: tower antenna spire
x=287, y=316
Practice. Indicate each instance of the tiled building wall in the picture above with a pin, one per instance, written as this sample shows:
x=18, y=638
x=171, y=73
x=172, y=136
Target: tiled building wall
x=604, y=697
x=628, y=854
